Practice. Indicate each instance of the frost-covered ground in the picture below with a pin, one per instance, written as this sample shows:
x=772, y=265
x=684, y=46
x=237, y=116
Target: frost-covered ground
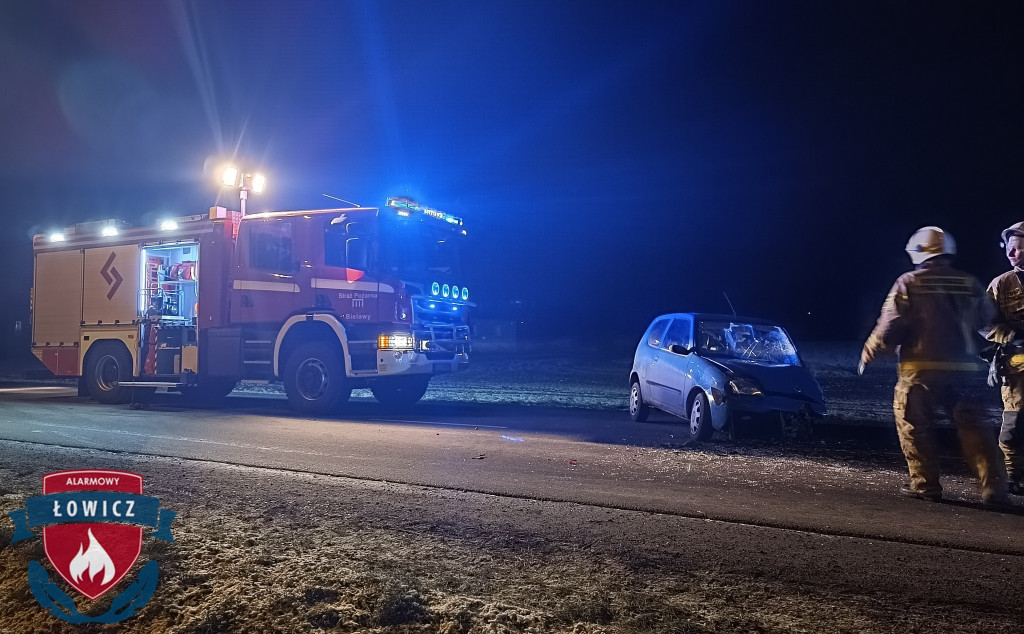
x=261, y=550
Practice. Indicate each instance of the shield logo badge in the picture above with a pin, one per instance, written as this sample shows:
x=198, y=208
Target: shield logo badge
x=92, y=556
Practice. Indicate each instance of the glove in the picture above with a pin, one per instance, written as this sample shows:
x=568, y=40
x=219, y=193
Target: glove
x=1002, y=333
x=866, y=357
x=993, y=375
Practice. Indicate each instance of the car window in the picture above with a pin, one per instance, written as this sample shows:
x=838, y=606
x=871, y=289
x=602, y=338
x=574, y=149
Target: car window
x=657, y=333
x=763, y=343
x=678, y=334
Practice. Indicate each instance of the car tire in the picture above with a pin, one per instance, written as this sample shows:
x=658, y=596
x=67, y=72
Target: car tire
x=400, y=392
x=107, y=365
x=638, y=409
x=314, y=378
x=700, y=418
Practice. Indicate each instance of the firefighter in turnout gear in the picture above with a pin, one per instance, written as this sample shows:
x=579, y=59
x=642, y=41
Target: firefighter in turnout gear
x=930, y=320
x=1007, y=335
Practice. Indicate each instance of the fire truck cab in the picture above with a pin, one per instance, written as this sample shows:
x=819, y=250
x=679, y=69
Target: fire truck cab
x=325, y=300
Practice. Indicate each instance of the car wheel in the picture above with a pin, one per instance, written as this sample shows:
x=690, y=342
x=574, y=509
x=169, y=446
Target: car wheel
x=108, y=365
x=314, y=378
x=638, y=410
x=700, y=418
x=400, y=392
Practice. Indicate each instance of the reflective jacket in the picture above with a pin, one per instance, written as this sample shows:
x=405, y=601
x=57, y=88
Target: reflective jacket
x=931, y=318
x=1008, y=295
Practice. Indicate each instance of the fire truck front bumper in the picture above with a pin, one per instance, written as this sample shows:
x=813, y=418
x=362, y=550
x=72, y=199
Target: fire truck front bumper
x=436, y=350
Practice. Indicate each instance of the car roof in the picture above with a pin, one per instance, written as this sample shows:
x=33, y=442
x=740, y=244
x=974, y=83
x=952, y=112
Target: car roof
x=720, y=317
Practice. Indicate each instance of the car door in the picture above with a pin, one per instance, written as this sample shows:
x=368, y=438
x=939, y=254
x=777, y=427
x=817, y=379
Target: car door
x=672, y=371
x=666, y=370
x=648, y=365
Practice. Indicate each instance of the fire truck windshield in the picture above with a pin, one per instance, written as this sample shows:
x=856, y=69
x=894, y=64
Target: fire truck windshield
x=419, y=250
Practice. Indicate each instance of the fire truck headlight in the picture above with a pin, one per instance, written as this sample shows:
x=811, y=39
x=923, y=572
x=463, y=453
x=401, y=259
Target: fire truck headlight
x=109, y=232
x=56, y=237
x=395, y=342
x=465, y=293
x=446, y=290
x=435, y=289
x=168, y=225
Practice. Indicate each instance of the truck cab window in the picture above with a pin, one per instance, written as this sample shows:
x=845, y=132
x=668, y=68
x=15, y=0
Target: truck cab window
x=270, y=247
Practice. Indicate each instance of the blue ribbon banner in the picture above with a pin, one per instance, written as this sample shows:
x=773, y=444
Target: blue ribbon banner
x=86, y=507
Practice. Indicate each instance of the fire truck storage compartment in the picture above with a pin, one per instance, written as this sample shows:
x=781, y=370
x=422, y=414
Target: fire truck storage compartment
x=171, y=282
x=221, y=351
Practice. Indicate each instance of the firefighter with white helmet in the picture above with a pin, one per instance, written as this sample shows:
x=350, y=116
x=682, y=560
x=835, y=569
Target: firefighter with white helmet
x=929, y=319
x=1007, y=331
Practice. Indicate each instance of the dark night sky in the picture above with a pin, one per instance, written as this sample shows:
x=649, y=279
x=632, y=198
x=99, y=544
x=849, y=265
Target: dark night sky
x=613, y=160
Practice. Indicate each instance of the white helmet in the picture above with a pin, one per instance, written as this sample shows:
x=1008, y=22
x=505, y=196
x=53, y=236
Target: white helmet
x=928, y=242
x=1016, y=229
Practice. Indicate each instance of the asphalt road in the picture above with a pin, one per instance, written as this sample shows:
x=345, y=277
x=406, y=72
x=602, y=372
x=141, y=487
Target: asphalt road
x=592, y=457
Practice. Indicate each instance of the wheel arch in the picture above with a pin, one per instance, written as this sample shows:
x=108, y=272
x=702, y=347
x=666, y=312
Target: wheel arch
x=93, y=345
x=310, y=327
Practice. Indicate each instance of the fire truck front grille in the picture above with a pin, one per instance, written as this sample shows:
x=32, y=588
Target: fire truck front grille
x=445, y=342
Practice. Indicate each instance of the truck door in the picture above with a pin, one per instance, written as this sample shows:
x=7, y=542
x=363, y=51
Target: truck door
x=265, y=288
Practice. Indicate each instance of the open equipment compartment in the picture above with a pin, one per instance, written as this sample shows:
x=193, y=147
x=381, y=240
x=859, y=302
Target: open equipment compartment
x=169, y=308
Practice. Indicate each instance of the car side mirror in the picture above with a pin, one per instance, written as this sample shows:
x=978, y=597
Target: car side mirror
x=678, y=349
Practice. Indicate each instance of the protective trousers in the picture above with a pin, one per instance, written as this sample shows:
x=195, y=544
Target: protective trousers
x=1011, y=434
x=920, y=396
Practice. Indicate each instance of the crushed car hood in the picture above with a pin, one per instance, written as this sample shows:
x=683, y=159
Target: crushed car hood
x=788, y=380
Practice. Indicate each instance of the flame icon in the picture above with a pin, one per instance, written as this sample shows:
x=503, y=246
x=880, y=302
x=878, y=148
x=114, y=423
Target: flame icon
x=95, y=559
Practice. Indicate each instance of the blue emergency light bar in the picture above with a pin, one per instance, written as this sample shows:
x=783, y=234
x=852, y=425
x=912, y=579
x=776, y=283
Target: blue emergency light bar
x=404, y=204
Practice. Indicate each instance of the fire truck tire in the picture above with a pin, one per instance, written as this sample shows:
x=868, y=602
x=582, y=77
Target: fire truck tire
x=314, y=378
x=208, y=390
x=107, y=365
x=400, y=392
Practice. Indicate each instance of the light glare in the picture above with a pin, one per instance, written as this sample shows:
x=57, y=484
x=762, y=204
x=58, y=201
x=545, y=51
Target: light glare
x=259, y=181
x=230, y=176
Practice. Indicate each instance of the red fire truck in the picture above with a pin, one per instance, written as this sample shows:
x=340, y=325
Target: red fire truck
x=325, y=300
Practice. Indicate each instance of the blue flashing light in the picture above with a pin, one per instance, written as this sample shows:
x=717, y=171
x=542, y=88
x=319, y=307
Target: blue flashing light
x=405, y=206
x=435, y=289
x=465, y=293
x=446, y=290
x=455, y=291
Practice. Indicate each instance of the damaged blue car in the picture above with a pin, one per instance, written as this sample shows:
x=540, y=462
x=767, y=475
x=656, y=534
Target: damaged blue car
x=721, y=372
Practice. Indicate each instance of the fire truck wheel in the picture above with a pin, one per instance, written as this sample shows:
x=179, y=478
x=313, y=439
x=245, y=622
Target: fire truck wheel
x=402, y=391
x=314, y=378
x=109, y=363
